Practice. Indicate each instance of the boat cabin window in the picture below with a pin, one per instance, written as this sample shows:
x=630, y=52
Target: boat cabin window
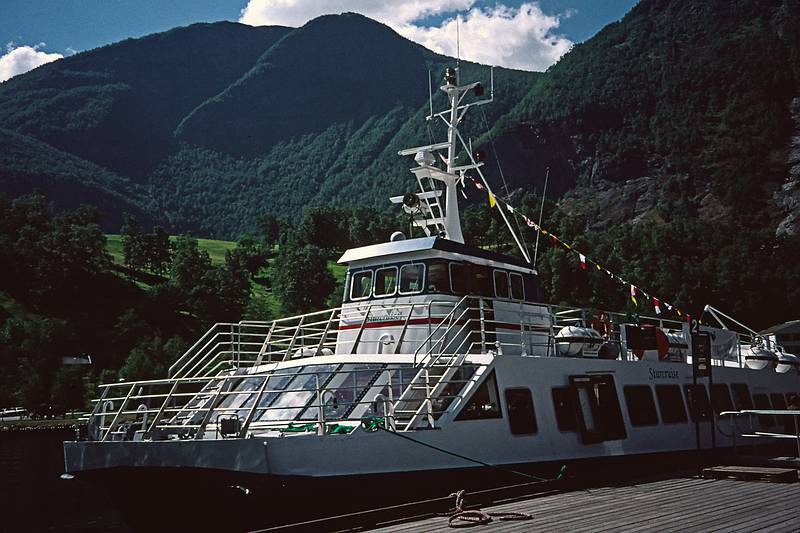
x=484, y=403
x=361, y=285
x=778, y=401
x=441, y=276
x=501, y=284
x=458, y=279
x=386, y=281
x=521, y=416
x=792, y=400
x=761, y=401
x=599, y=414
x=641, y=407
x=564, y=405
x=697, y=399
x=517, y=286
x=438, y=276
x=721, y=398
x=670, y=403
x=411, y=278
x=741, y=396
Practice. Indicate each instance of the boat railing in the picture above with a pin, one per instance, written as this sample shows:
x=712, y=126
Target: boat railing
x=533, y=331
x=200, y=407
x=790, y=419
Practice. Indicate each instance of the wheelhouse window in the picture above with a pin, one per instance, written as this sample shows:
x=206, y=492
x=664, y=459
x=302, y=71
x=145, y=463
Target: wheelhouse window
x=411, y=278
x=361, y=285
x=517, y=286
x=458, y=278
x=670, y=403
x=481, y=277
x=641, y=407
x=439, y=276
x=531, y=288
x=386, y=281
x=501, y=284
x=484, y=403
x=521, y=416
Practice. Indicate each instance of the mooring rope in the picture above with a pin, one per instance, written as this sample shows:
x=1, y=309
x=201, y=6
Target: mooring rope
x=476, y=517
x=376, y=423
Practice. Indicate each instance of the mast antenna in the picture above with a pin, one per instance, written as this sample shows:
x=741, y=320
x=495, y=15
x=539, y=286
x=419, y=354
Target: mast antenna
x=430, y=95
x=458, y=41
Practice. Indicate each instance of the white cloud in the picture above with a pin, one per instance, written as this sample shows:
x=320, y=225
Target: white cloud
x=21, y=59
x=521, y=37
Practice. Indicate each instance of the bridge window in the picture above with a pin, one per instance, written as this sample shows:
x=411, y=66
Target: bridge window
x=517, y=286
x=500, y=284
x=411, y=277
x=438, y=277
x=521, y=416
x=670, y=403
x=641, y=407
x=386, y=281
x=361, y=285
x=458, y=278
x=484, y=402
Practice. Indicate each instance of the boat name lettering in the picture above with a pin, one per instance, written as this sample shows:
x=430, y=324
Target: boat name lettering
x=663, y=374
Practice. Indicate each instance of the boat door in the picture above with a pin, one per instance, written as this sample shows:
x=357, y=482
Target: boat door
x=597, y=405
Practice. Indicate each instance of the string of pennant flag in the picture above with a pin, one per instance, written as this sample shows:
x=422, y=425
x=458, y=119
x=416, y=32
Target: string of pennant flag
x=636, y=293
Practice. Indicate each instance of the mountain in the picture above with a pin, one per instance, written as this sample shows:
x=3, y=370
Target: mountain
x=218, y=123
x=683, y=109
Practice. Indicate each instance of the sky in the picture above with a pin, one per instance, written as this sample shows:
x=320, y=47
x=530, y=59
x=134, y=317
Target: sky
x=523, y=34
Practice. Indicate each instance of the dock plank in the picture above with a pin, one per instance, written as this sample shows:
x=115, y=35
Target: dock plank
x=676, y=504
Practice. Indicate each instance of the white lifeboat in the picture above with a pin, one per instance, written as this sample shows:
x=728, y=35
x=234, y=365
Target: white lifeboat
x=787, y=362
x=572, y=340
x=759, y=358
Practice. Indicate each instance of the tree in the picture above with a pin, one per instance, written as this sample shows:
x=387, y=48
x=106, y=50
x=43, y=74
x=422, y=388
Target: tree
x=301, y=278
x=269, y=228
x=134, y=249
x=157, y=250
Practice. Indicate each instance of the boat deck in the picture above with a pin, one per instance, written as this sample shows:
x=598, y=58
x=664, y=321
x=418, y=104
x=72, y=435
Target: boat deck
x=678, y=504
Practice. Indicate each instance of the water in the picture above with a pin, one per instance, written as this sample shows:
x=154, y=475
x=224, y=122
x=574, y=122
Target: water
x=33, y=497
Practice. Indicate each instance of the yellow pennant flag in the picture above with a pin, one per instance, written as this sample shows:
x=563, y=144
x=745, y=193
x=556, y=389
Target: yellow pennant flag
x=598, y=266
x=492, y=201
x=633, y=296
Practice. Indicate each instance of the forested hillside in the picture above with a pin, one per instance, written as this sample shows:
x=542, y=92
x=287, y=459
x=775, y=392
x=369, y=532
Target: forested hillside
x=671, y=139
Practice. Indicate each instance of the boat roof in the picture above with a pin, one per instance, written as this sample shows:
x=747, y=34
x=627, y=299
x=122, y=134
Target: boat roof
x=791, y=325
x=426, y=243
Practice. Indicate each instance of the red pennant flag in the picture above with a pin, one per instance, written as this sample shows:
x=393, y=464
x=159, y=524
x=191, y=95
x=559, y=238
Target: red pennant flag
x=688, y=318
x=583, y=261
x=657, y=305
x=554, y=239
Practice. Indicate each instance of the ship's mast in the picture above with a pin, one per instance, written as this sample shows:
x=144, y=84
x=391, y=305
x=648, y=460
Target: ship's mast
x=449, y=222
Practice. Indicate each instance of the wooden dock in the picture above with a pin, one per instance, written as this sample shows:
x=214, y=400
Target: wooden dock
x=678, y=504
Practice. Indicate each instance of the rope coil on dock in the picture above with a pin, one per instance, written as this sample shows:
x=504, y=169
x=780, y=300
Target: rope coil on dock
x=475, y=517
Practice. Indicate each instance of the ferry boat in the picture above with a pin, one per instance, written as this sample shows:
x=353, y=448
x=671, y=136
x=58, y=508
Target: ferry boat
x=442, y=364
